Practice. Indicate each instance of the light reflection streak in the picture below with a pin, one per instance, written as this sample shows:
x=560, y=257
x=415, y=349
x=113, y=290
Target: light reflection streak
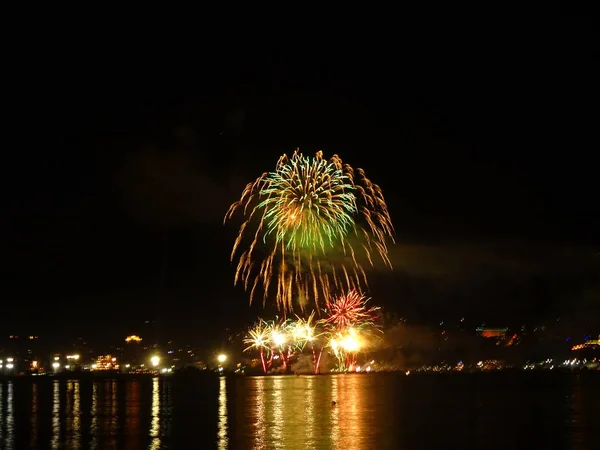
x=334, y=419
x=222, y=427
x=94, y=417
x=155, y=424
x=309, y=412
x=259, y=405
x=276, y=438
x=111, y=419
x=34, y=416
x=73, y=415
x=76, y=416
x=9, y=418
x=55, y=442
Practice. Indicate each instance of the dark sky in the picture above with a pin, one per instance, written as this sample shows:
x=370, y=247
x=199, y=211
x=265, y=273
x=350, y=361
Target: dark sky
x=483, y=141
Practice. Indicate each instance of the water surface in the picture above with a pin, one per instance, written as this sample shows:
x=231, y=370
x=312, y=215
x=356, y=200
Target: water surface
x=376, y=411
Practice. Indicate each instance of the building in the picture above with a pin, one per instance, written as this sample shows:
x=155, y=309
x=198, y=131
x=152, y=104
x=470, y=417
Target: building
x=499, y=333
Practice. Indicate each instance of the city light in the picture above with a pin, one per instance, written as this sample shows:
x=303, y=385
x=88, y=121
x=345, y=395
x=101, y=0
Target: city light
x=75, y=357
x=155, y=360
x=133, y=338
x=222, y=358
x=10, y=366
x=55, y=365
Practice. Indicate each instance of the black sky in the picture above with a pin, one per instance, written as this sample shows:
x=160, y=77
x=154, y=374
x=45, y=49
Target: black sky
x=483, y=141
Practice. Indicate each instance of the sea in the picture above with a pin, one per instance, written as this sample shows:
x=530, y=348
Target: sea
x=504, y=410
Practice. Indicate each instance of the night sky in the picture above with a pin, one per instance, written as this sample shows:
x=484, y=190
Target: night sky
x=483, y=141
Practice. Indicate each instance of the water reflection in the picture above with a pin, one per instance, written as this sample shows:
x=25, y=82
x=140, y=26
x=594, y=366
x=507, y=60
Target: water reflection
x=257, y=403
x=288, y=412
x=94, y=417
x=9, y=429
x=577, y=418
x=155, y=423
x=111, y=419
x=276, y=422
x=352, y=411
x=2, y=429
x=55, y=442
x=132, y=415
x=334, y=418
x=166, y=406
x=34, y=415
x=73, y=415
x=222, y=437
x=309, y=412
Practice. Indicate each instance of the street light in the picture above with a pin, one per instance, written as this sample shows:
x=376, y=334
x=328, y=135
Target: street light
x=222, y=358
x=55, y=365
x=155, y=360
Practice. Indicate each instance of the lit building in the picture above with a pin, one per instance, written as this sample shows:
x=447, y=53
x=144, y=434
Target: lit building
x=590, y=343
x=105, y=362
x=499, y=333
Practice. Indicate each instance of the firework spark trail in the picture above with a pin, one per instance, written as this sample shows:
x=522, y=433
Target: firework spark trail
x=349, y=310
x=299, y=218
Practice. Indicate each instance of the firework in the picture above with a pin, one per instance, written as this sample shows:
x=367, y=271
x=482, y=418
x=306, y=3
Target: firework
x=273, y=340
x=306, y=222
x=349, y=324
x=258, y=338
x=347, y=343
x=349, y=309
x=303, y=331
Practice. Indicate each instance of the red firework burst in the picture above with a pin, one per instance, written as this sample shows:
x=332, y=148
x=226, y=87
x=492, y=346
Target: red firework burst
x=350, y=309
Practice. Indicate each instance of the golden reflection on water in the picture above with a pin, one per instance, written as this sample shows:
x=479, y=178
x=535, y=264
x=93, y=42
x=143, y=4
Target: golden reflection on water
x=222, y=437
x=276, y=422
x=155, y=423
x=94, y=417
x=309, y=412
x=34, y=415
x=258, y=404
x=55, y=441
x=352, y=411
x=73, y=415
x=334, y=418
